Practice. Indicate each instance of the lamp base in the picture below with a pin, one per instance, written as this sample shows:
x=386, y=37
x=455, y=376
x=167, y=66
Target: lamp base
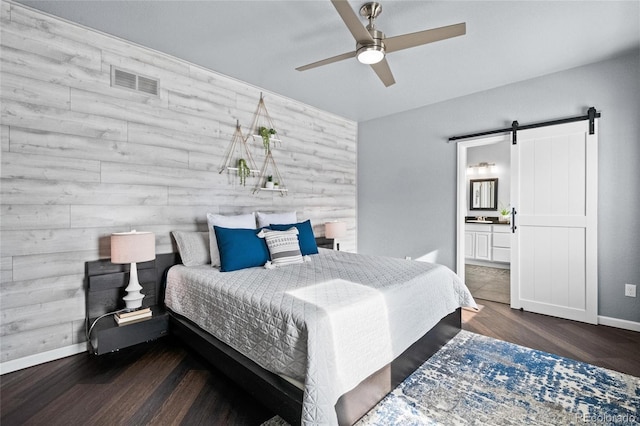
x=133, y=299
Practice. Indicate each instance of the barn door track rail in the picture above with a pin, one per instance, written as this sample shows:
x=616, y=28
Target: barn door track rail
x=591, y=115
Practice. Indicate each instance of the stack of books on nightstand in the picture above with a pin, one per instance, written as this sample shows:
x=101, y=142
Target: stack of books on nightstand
x=132, y=316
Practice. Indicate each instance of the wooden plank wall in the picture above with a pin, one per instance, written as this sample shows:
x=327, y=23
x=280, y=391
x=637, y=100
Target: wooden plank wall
x=81, y=159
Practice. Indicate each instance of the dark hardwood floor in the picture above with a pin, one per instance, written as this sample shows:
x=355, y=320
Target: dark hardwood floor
x=163, y=383
x=158, y=383
x=607, y=347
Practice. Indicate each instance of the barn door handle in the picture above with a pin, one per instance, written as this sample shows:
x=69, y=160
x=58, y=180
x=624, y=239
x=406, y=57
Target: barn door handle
x=513, y=220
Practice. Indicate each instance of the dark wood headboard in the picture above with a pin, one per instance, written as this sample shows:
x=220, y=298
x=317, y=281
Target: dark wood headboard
x=106, y=282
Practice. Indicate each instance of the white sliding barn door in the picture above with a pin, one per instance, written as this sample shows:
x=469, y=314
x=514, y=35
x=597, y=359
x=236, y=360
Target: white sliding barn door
x=554, y=191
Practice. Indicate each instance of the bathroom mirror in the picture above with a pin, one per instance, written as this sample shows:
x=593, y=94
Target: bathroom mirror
x=483, y=194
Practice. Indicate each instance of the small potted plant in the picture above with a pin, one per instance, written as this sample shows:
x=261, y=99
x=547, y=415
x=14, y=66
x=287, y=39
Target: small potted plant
x=505, y=213
x=243, y=171
x=269, y=183
x=266, y=137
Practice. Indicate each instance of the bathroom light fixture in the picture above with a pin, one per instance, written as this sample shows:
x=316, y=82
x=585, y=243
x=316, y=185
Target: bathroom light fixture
x=481, y=168
x=132, y=247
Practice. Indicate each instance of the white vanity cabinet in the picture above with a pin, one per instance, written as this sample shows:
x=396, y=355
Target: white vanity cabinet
x=478, y=241
x=501, y=249
x=469, y=244
x=487, y=242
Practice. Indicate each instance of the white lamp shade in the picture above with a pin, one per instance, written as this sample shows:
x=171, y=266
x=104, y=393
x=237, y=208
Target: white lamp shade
x=133, y=247
x=333, y=230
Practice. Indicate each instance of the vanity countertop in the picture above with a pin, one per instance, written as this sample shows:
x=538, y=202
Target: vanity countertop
x=485, y=220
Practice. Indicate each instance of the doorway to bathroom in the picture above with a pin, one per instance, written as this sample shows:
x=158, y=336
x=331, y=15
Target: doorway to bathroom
x=483, y=217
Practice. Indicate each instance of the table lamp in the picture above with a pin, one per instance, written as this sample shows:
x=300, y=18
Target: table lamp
x=335, y=230
x=132, y=247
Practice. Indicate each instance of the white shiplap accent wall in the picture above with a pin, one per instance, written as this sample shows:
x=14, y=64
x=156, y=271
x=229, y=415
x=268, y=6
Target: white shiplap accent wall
x=81, y=160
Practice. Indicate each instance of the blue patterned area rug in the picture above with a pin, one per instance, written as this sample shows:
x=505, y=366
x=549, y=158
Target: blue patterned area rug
x=478, y=380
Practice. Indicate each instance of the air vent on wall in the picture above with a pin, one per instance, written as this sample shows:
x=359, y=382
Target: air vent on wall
x=129, y=80
x=147, y=85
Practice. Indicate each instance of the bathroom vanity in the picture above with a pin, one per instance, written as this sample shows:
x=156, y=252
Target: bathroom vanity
x=487, y=241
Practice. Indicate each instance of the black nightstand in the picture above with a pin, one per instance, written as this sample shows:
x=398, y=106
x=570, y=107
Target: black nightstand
x=324, y=242
x=107, y=336
x=105, y=288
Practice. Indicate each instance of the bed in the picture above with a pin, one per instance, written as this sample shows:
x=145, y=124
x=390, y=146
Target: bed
x=320, y=342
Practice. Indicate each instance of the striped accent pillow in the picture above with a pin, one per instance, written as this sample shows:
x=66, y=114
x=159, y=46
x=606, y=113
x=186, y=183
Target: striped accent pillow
x=284, y=247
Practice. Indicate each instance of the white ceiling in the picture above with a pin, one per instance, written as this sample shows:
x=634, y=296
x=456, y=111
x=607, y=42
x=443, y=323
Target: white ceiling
x=262, y=42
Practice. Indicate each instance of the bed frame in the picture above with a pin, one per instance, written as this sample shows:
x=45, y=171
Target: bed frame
x=284, y=398
x=278, y=394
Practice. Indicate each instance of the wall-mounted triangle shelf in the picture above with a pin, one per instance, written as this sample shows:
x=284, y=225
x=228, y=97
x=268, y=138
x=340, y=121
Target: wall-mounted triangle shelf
x=239, y=159
x=270, y=169
x=262, y=128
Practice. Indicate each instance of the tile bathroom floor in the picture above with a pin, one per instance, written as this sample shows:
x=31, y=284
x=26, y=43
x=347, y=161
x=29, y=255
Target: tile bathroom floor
x=488, y=283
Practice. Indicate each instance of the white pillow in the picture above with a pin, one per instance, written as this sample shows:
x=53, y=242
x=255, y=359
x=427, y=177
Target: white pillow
x=193, y=247
x=244, y=221
x=284, y=247
x=266, y=219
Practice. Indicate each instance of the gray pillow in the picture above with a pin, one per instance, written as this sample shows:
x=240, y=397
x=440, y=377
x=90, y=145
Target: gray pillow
x=193, y=247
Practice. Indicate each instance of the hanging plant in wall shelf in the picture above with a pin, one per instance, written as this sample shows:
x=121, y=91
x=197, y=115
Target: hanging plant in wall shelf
x=263, y=127
x=239, y=158
x=266, y=133
x=269, y=183
x=243, y=171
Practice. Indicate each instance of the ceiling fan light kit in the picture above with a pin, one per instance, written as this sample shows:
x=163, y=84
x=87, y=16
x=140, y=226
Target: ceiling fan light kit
x=370, y=42
x=371, y=54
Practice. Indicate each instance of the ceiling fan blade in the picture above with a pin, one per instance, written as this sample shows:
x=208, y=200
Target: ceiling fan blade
x=384, y=72
x=393, y=44
x=351, y=20
x=327, y=61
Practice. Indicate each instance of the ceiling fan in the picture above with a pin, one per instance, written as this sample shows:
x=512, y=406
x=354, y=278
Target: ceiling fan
x=371, y=43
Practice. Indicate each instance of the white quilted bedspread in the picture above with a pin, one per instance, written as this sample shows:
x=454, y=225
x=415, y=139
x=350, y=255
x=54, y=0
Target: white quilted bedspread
x=328, y=323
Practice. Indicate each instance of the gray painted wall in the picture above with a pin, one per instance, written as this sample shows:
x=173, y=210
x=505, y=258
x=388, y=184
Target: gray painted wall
x=407, y=171
x=81, y=159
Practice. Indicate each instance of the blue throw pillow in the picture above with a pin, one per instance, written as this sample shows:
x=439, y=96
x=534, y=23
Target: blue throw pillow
x=305, y=235
x=240, y=248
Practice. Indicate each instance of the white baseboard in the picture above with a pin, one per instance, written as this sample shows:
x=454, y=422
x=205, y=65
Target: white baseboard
x=619, y=323
x=41, y=358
